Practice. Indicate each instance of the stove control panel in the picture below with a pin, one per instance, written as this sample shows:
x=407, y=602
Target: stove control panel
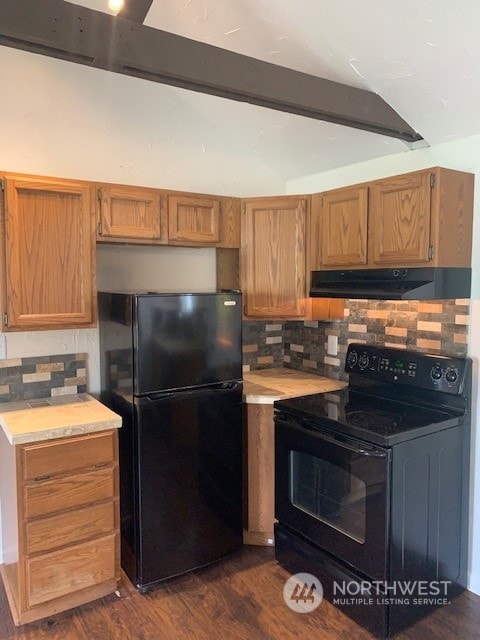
x=401, y=366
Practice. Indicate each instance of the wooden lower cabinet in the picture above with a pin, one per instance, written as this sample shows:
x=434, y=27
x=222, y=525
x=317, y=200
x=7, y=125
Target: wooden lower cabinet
x=60, y=523
x=260, y=475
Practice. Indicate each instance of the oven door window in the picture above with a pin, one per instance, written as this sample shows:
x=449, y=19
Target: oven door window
x=334, y=491
x=329, y=493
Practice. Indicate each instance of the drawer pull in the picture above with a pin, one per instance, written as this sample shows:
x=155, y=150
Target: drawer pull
x=40, y=478
x=100, y=465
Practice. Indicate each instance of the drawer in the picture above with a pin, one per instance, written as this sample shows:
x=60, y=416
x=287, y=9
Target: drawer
x=70, y=528
x=68, y=454
x=61, y=494
x=60, y=573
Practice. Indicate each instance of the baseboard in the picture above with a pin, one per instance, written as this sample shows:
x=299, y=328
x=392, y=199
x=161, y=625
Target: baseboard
x=474, y=583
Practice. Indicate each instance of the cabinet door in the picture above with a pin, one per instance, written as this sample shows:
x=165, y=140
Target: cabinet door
x=128, y=213
x=399, y=230
x=274, y=257
x=49, y=254
x=193, y=220
x=344, y=227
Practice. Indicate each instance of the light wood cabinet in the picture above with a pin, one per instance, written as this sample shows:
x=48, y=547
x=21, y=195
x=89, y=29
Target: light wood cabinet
x=343, y=230
x=400, y=219
x=275, y=261
x=193, y=220
x=48, y=253
x=422, y=218
x=274, y=257
x=60, y=523
x=139, y=215
x=130, y=213
x=203, y=221
x=260, y=475
x=416, y=219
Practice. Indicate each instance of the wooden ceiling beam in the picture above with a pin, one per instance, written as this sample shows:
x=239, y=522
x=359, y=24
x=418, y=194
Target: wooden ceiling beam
x=71, y=32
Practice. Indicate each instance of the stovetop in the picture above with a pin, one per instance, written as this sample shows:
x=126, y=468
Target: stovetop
x=382, y=421
x=393, y=395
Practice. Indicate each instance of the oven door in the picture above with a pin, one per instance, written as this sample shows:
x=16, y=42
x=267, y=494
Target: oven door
x=334, y=490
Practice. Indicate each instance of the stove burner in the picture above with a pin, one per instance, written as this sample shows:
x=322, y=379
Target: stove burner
x=373, y=419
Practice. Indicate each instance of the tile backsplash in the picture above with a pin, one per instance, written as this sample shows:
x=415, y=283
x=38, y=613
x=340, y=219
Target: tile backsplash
x=262, y=345
x=439, y=326
x=42, y=377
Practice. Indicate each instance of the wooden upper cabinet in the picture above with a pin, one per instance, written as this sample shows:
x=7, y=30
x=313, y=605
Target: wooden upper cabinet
x=128, y=213
x=193, y=220
x=344, y=223
x=49, y=254
x=274, y=257
x=416, y=219
x=400, y=219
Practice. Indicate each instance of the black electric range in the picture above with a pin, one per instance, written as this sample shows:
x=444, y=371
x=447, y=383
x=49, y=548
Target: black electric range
x=371, y=484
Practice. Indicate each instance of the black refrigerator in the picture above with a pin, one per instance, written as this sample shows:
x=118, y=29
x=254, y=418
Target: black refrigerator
x=171, y=366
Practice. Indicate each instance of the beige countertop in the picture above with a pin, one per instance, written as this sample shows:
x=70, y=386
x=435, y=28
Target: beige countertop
x=49, y=418
x=267, y=385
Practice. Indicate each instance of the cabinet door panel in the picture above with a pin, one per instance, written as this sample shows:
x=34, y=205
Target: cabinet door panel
x=63, y=456
x=129, y=213
x=400, y=220
x=193, y=220
x=64, y=572
x=59, y=494
x=274, y=270
x=50, y=242
x=344, y=223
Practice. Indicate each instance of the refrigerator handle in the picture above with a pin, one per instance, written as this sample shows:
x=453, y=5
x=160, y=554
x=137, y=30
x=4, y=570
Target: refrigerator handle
x=225, y=387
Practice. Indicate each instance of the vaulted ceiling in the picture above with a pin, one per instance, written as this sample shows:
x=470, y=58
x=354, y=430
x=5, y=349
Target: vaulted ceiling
x=421, y=56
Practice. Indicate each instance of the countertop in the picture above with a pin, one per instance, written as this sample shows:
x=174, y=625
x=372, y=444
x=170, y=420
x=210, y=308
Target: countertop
x=49, y=418
x=267, y=385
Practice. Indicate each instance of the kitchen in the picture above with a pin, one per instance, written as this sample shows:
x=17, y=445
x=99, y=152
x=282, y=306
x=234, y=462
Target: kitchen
x=49, y=140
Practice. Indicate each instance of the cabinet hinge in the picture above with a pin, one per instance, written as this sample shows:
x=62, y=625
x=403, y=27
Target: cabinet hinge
x=244, y=207
x=2, y=184
x=433, y=179
x=99, y=195
x=430, y=252
x=5, y=319
x=99, y=228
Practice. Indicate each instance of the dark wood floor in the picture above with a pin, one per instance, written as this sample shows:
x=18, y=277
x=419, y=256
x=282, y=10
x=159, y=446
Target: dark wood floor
x=237, y=599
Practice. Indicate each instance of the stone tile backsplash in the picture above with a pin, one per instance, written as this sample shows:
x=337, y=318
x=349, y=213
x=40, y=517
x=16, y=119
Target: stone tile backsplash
x=42, y=377
x=439, y=326
x=262, y=345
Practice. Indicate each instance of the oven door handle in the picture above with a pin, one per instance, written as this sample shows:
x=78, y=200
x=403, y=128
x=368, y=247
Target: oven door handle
x=340, y=441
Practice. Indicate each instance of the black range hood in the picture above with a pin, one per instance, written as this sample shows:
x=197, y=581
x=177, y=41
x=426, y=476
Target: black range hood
x=393, y=284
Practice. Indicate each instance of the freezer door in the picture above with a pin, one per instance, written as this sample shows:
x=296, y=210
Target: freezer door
x=186, y=340
x=189, y=485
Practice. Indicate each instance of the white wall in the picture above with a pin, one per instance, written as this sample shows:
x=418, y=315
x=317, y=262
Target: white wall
x=176, y=269
x=67, y=120
x=463, y=155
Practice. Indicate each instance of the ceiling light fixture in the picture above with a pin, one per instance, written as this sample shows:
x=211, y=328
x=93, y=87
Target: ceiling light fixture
x=115, y=5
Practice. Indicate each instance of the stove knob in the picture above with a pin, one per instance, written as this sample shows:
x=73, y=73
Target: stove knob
x=436, y=372
x=352, y=359
x=451, y=375
x=363, y=361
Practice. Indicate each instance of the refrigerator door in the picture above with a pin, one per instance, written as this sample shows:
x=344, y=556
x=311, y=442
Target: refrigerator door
x=189, y=485
x=186, y=340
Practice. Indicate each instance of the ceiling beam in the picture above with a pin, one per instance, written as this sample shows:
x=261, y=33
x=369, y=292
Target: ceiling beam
x=71, y=32
x=135, y=10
